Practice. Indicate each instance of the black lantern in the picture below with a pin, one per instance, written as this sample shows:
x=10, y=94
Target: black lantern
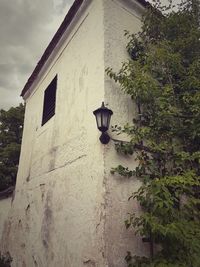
x=103, y=115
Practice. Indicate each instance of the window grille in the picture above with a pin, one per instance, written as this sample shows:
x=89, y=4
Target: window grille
x=49, y=101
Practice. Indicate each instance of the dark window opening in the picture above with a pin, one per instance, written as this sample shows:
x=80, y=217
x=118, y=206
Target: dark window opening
x=49, y=101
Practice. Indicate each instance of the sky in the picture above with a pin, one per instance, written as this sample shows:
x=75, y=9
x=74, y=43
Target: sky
x=26, y=28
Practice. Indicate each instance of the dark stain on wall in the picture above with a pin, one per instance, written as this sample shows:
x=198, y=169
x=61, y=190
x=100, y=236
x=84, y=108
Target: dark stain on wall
x=47, y=221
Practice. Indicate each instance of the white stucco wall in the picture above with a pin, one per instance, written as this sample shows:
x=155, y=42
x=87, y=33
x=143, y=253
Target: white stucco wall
x=56, y=216
x=125, y=16
x=5, y=205
x=68, y=210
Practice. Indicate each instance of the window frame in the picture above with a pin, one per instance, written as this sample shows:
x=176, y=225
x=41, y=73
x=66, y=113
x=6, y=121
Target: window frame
x=49, y=101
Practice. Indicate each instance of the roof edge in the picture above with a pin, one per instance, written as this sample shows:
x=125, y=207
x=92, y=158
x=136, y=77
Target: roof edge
x=56, y=38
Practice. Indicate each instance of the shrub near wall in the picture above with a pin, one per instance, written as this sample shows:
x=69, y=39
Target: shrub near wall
x=162, y=77
x=11, y=128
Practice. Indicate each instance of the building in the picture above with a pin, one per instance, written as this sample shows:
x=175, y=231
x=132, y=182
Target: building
x=68, y=210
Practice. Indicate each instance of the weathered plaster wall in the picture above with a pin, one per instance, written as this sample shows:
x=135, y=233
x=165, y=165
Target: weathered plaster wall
x=68, y=210
x=5, y=205
x=57, y=214
x=125, y=16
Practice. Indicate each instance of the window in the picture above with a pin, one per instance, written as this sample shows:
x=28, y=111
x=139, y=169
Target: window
x=49, y=101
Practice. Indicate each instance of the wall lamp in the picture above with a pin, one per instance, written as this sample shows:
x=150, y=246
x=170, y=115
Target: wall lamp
x=103, y=115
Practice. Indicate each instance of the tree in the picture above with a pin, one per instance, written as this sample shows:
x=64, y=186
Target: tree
x=162, y=77
x=11, y=127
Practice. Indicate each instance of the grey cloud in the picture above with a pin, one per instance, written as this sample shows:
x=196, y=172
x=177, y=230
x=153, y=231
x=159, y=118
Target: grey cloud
x=26, y=27
x=21, y=20
x=5, y=97
x=61, y=5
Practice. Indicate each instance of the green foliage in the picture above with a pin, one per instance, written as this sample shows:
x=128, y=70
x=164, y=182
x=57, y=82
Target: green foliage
x=163, y=79
x=11, y=127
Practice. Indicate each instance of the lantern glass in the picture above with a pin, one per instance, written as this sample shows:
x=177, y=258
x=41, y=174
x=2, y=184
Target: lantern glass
x=104, y=124
x=99, y=120
x=103, y=116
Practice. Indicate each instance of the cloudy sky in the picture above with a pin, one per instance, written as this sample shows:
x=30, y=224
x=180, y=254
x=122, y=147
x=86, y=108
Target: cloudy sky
x=26, y=28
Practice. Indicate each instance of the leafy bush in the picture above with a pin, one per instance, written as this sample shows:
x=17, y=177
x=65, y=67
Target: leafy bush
x=163, y=79
x=11, y=128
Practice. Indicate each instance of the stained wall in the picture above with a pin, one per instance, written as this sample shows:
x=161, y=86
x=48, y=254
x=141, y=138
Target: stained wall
x=126, y=16
x=68, y=209
x=56, y=217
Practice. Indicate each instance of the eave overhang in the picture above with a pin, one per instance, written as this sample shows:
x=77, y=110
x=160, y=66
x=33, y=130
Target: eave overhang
x=58, y=35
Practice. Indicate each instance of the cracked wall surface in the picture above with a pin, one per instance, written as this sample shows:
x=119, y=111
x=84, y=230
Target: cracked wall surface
x=126, y=15
x=56, y=218
x=68, y=210
x=5, y=205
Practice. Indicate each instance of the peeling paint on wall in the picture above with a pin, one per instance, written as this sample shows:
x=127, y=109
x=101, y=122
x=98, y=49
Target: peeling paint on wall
x=68, y=210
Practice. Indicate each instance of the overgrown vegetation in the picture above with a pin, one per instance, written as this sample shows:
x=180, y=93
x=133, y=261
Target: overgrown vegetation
x=11, y=127
x=163, y=79
x=5, y=260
